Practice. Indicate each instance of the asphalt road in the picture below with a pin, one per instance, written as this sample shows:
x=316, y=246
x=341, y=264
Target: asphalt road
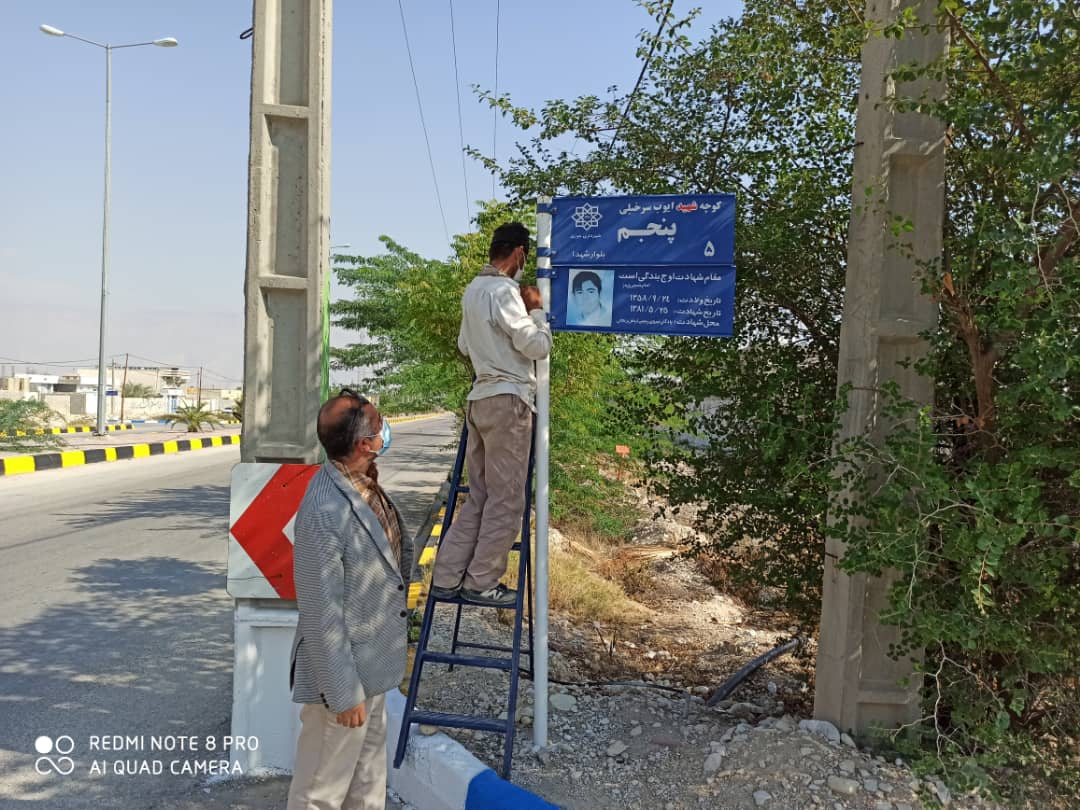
x=114, y=618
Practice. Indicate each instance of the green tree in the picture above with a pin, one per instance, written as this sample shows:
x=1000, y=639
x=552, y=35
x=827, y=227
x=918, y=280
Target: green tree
x=23, y=425
x=763, y=106
x=976, y=503
x=979, y=506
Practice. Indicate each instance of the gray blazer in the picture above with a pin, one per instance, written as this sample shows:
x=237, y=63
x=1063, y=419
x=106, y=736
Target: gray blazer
x=353, y=629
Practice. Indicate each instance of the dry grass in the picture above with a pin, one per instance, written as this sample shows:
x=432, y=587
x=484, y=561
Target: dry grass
x=580, y=591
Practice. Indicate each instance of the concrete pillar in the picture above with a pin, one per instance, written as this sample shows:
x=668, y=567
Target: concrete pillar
x=287, y=262
x=900, y=157
x=288, y=228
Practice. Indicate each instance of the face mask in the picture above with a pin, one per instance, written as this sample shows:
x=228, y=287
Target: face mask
x=385, y=438
x=521, y=270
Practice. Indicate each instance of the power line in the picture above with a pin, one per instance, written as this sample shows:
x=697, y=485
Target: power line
x=423, y=123
x=460, y=125
x=161, y=364
x=495, y=109
x=69, y=363
x=641, y=75
x=220, y=376
x=206, y=370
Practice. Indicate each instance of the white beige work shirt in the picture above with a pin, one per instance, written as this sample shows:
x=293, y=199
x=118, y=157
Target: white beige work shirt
x=500, y=338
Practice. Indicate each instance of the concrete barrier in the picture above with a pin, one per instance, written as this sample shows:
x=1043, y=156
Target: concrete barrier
x=57, y=431
x=17, y=465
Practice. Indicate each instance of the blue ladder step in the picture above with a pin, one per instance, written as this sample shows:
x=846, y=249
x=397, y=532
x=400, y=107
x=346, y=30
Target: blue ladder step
x=471, y=645
x=482, y=661
x=458, y=721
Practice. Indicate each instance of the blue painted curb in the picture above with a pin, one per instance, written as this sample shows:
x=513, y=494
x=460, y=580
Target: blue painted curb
x=487, y=791
x=438, y=773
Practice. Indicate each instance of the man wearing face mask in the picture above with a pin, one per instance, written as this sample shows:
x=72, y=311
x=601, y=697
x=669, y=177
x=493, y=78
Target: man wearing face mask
x=503, y=332
x=351, y=563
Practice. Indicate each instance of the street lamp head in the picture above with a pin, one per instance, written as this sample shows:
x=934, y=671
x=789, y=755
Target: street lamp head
x=166, y=42
x=51, y=31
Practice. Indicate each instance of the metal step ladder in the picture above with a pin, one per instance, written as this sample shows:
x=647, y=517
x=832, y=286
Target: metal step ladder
x=455, y=657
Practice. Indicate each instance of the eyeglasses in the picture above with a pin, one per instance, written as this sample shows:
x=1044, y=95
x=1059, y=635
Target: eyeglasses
x=357, y=412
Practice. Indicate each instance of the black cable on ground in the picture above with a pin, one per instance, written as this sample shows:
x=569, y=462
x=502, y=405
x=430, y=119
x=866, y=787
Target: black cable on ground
x=729, y=686
x=732, y=683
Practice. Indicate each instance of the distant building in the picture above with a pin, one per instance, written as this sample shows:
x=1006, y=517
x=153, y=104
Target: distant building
x=170, y=384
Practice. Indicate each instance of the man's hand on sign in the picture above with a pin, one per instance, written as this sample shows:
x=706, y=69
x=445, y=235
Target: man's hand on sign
x=354, y=717
x=531, y=296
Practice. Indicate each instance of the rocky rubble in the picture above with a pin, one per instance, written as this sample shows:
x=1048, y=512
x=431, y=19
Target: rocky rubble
x=642, y=747
x=634, y=747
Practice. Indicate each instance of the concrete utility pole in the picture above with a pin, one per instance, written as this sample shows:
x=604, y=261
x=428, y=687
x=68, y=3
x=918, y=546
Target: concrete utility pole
x=901, y=157
x=288, y=229
x=287, y=257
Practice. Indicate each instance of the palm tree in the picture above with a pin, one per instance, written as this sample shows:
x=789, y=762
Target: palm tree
x=194, y=416
x=237, y=410
x=134, y=390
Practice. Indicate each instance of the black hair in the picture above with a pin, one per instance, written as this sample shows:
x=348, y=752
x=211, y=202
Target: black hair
x=506, y=238
x=588, y=275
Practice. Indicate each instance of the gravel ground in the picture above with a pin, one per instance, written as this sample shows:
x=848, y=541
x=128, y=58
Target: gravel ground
x=641, y=747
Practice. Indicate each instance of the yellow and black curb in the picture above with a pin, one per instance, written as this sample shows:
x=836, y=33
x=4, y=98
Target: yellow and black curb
x=418, y=588
x=16, y=465
x=58, y=431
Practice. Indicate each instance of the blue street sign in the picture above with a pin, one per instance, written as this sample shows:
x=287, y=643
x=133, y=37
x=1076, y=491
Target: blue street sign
x=644, y=300
x=651, y=231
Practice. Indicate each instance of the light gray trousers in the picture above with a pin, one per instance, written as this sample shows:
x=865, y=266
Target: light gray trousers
x=473, y=552
x=339, y=768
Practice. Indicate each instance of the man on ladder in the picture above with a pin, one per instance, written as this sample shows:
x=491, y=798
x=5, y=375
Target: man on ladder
x=503, y=331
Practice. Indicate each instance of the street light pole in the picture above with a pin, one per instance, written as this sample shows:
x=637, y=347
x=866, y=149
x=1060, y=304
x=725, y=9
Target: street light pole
x=101, y=423
x=164, y=42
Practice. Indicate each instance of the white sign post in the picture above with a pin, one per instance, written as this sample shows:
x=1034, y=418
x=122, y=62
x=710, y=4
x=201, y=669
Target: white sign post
x=543, y=435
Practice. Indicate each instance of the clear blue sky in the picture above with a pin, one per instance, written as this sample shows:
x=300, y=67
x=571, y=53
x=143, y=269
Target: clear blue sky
x=180, y=144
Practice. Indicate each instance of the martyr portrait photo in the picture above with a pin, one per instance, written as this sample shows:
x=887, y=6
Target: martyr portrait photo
x=588, y=300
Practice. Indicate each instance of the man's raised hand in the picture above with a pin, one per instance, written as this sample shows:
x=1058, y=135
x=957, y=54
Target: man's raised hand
x=531, y=296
